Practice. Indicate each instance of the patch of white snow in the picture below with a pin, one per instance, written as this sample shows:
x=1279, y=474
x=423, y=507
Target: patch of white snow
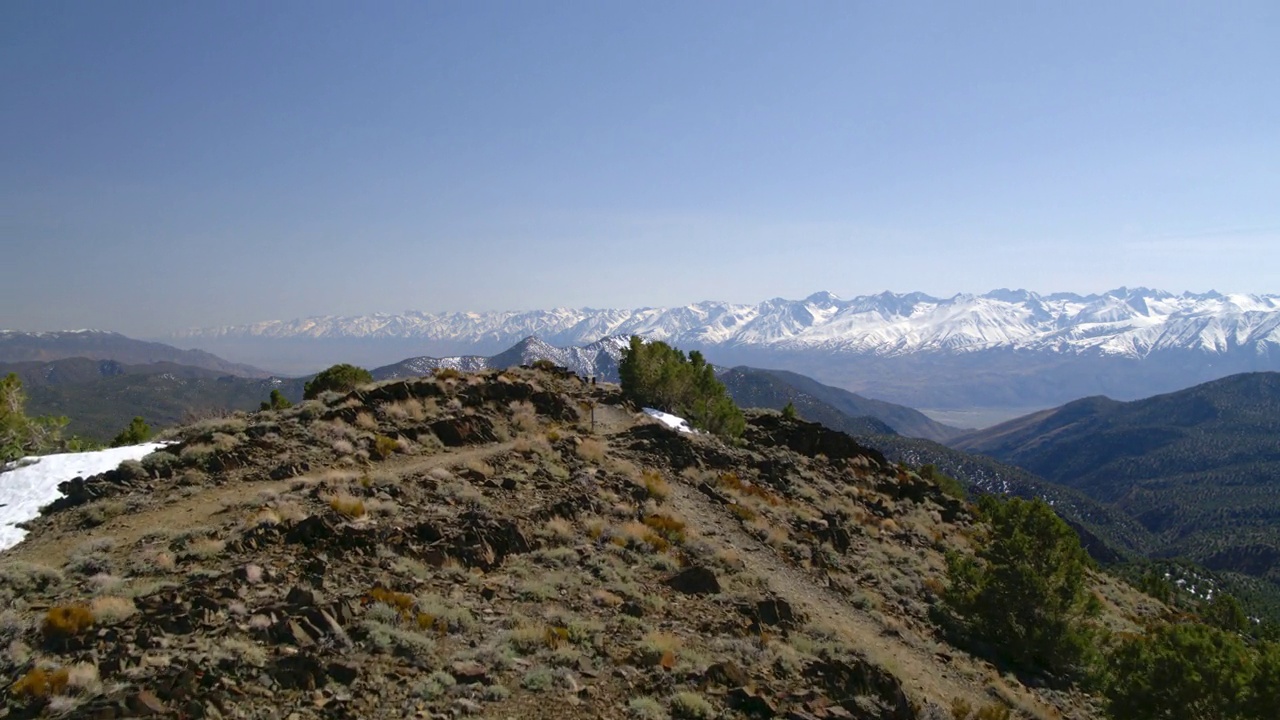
x=29, y=487
x=674, y=422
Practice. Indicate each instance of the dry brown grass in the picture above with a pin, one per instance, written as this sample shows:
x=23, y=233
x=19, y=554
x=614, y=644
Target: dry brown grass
x=41, y=683
x=204, y=548
x=404, y=410
x=64, y=621
x=592, y=450
x=348, y=505
x=558, y=530
x=655, y=485
x=402, y=602
x=365, y=421
x=109, y=610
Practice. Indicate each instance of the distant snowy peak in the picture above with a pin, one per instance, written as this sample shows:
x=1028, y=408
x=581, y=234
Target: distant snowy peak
x=1130, y=322
x=599, y=359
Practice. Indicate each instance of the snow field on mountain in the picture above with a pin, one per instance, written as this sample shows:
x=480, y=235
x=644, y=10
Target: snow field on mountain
x=1124, y=322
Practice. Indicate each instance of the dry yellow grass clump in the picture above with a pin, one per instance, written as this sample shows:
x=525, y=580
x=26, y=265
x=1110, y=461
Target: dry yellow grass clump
x=41, y=683
x=64, y=621
x=348, y=505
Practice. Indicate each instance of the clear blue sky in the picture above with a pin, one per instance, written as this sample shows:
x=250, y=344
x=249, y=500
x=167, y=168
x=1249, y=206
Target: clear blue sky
x=174, y=164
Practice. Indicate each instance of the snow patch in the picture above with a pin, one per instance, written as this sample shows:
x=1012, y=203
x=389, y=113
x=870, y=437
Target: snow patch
x=33, y=483
x=674, y=422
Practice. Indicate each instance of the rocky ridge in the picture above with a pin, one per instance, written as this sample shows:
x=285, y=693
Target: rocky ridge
x=510, y=543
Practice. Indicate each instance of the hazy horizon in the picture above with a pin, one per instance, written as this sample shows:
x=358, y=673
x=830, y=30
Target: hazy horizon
x=178, y=165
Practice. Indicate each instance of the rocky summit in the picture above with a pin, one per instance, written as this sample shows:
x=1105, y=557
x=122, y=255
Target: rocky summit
x=510, y=544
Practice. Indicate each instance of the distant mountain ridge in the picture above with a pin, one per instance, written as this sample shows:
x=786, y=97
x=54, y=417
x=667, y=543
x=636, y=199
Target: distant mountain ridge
x=18, y=347
x=1198, y=468
x=598, y=359
x=1124, y=322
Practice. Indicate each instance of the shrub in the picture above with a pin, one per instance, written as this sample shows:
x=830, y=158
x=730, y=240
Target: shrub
x=538, y=679
x=277, y=401
x=646, y=708
x=403, y=603
x=1185, y=670
x=41, y=683
x=339, y=378
x=1023, y=592
x=65, y=621
x=447, y=373
x=137, y=433
x=789, y=411
x=691, y=705
x=384, y=446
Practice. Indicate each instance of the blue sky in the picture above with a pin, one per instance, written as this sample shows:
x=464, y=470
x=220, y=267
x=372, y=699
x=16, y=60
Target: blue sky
x=175, y=164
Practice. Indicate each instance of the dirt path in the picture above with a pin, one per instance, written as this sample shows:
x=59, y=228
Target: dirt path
x=51, y=547
x=923, y=674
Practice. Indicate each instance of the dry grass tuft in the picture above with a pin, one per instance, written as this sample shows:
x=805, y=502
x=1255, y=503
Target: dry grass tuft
x=41, y=683
x=402, y=602
x=65, y=621
x=558, y=530
x=348, y=505
x=480, y=466
x=109, y=610
x=384, y=446
x=592, y=450
x=655, y=485
x=731, y=482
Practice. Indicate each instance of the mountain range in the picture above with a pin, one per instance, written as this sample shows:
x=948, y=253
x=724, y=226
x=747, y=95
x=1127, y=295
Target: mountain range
x=1125, y=322
x=1006, y=348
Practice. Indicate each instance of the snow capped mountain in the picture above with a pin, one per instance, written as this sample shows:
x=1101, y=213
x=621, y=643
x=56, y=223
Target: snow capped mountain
x=599, y=359
x=1125, y=322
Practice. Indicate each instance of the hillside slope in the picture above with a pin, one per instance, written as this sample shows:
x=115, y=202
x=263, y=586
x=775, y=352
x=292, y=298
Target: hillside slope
x=100, y=397
x=467, y=546
x=903, y=420
x=1199, y=468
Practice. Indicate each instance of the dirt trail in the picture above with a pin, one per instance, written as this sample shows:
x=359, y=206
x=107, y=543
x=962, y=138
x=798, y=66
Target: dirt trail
x=52, y=546
x=923, y=674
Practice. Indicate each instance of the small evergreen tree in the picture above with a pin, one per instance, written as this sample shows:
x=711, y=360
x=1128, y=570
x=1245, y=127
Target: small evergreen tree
x=1185, y=670
x=277, y=402
x=1023, y=591
x=21, y=435
x=789, y=411
x=138, y=432
x=339, y=378
x=657, y=375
